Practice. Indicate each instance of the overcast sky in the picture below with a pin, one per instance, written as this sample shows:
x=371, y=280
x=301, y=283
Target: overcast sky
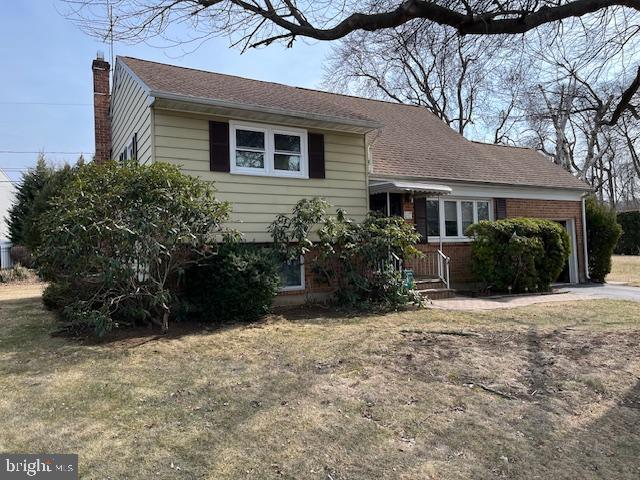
x=46, y=60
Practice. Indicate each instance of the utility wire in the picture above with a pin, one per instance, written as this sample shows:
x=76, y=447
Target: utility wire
x=48, y=103
x=40, y=151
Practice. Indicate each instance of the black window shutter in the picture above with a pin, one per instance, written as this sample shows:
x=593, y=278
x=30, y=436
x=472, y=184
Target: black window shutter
x=219, y=146
x=420, y=208
x=501, y=208
x=316, y=155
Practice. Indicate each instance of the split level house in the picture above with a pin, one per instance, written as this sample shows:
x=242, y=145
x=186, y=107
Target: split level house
x=267, y=145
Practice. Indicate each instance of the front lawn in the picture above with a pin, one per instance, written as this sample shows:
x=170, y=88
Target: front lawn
x=547, y=391
x=625, y=268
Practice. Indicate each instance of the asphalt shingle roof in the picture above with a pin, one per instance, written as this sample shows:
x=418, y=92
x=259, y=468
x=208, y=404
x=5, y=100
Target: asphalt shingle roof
x=412, y=142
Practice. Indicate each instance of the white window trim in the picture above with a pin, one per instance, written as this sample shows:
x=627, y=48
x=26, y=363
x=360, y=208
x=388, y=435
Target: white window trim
x=269, y=169
x=297, y=288
x=458, y=200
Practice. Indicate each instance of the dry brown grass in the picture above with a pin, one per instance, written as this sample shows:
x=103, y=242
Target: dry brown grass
x=322, y=397
x=625, y=268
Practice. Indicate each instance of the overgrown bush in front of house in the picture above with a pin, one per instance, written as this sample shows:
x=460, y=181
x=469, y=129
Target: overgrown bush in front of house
x=239, y=283
x=118, y=239
x=603, y=233
x=518, y=254
x=629, y=242
x=353, y=257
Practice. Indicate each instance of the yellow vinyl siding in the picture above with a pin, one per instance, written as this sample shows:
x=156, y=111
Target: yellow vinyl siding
x=130, y=113
x=183, y=140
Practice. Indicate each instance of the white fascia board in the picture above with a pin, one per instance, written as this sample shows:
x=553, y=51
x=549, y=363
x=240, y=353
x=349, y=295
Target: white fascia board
x=496, y=190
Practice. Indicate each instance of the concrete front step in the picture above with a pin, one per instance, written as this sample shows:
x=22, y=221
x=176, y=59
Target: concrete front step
x=433, y=288
x=437, y=293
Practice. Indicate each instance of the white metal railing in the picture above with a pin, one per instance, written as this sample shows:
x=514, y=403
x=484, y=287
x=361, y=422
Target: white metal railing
x=434, y=264
x=443, y=267
x=394, y=261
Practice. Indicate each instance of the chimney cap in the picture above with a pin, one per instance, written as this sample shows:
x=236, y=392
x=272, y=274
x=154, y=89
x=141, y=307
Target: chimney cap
x=100, y=55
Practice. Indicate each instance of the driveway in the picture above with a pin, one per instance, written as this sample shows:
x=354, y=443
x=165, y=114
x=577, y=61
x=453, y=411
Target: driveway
x=561, y=294
x=611, y=291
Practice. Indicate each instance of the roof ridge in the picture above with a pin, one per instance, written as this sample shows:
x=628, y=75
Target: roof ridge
x=276, y=83
x=502, y=145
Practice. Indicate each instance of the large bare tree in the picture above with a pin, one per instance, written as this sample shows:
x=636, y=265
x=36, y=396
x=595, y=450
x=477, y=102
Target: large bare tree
x=429, y=65
x=252, y=23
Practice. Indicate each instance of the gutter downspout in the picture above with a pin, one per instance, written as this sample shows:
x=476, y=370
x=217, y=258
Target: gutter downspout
x=440, y=224
x=584, y=238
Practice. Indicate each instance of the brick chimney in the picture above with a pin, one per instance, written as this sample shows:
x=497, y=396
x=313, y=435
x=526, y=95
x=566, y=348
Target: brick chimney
x=101, y=102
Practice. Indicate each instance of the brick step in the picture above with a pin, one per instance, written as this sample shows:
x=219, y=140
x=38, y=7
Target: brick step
x=437, y=293
x=427, y=279
x=428, y=283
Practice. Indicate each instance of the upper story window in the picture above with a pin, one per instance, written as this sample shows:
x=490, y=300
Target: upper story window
x=267, y=150
x=453, y=217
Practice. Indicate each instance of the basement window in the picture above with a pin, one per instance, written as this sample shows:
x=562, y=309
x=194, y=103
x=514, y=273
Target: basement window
x=292, y=275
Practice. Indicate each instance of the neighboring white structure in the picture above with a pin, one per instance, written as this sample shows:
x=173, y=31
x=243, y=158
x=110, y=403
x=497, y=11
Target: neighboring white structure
x=7, y=194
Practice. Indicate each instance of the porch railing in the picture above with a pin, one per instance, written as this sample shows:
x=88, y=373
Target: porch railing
x=394, y=262
x=434, y=264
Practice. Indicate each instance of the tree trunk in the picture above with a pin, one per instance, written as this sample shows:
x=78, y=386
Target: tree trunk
x=165, y=321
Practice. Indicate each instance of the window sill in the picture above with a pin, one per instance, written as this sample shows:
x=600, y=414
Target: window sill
x=450, y=239
x=296, y=288
x=259, y=173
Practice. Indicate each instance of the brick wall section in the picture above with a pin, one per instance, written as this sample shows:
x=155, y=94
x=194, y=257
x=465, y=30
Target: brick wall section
x=101, y=114
x=552, y=210
x=460, y=253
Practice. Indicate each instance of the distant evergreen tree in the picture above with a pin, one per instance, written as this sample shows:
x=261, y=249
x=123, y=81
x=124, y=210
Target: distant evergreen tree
x=38, y=187
x=31, y=228
x=33, y=181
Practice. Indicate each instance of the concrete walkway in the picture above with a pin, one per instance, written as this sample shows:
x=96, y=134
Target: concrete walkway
x=562, y=294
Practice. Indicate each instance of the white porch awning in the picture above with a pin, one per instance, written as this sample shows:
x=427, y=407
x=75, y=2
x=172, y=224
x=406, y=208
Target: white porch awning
x=394, y=186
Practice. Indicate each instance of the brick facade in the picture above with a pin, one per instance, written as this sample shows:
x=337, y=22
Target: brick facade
x=552, y=210
x=101, y=112
x=460, y=252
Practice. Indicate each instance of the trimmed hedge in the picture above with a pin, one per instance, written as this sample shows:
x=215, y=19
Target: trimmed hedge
x=518, y=254
x=629, y=242
x=603, y=233
x=237, y=284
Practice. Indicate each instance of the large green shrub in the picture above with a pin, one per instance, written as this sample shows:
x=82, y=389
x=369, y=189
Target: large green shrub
x=239, y=283
x=518, y=254
x=353, y=257
x=603, y=233
x=629, y=242
x=119, y=236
